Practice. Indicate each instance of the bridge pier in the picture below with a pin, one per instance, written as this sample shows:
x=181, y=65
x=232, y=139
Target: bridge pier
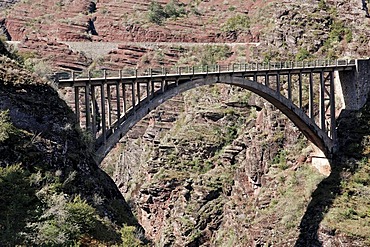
x=353, y=87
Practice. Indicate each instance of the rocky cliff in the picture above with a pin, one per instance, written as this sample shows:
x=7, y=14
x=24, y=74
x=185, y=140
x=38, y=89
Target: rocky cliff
x=52, y=191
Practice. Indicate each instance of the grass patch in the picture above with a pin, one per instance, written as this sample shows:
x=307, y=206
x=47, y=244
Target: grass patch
x=350, y=212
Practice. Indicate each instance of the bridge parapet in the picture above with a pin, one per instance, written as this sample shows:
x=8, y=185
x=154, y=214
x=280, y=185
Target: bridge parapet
x=204, y=69
x=111, y=102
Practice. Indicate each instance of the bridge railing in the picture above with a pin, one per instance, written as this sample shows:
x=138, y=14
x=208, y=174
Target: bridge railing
x=204, y=69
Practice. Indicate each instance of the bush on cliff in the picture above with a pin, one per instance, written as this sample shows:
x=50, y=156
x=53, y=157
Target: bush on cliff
x=52, y=193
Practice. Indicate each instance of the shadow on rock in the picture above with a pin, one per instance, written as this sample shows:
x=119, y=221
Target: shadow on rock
x=353, y=133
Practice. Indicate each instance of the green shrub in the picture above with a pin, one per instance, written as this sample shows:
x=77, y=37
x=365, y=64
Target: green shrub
x=6, y=127
x=128, y=236
x=232, y=8
x=63, y=222
x=231, y=133
x=81, y=214
x=337, y=33
x=322, y=5
x=173, y=9
x=281, y=159
x=236, y=23
x=157, y=14
x=17, y=200
x=302, y=54
x=348, y=35
x=40, y=67
x=212, y=54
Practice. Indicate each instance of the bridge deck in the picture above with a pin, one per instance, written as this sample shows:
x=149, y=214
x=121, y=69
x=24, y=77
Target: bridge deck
x=250, y=69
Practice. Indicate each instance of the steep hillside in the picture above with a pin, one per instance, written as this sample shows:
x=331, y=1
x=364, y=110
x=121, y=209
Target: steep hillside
x=315, y=29
x=51, y=190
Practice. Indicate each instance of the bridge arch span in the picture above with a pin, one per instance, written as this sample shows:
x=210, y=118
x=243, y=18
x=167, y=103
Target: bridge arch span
x=305, y=124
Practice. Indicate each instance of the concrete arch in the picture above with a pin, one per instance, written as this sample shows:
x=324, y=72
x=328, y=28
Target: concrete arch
x=306, y=125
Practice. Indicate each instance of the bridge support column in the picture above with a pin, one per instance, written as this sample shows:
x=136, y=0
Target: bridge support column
x=300, y=89
x=322, y=102
x=138, y=93
x=310, y=97
x=320, y=161
x=109, y=106
x=124, y=101
x=77, y=104
x=133, y=95
x=333, y=123
x=152, y=89
x=353, y=86
x=87, y=106
x=94, y=112
x=289, y=86
x=118, y=97
x=103, y=113
x=148, y=90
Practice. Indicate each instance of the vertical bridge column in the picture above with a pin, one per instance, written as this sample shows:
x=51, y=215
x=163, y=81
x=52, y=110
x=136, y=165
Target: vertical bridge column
x=77, y=103
x=118, y=97
x=333, y=124
x=87, y=104
x=322, y=102
x=103, y=111
x=310, y=96
x=300, y=90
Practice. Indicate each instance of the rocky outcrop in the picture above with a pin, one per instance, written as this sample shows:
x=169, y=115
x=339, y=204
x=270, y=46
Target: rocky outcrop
x=3, y=30
x=39, y=140
x=58, y=55
x=325, y=29
x=7, y=3
x=128, y=21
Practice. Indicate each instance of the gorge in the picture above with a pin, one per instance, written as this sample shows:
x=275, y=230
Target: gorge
x=213, y=166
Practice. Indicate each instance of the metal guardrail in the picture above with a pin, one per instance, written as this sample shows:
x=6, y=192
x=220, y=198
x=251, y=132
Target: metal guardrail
x=202, y=69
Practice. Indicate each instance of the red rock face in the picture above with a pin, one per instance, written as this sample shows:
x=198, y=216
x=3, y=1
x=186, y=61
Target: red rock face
x=57, y=54
x=128, y=21
x=63, y=20
x=43, y=24
x=121, y=21
x=131, y=56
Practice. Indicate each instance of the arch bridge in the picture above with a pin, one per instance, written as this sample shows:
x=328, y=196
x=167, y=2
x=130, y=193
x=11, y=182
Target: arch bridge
x=109, y=103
